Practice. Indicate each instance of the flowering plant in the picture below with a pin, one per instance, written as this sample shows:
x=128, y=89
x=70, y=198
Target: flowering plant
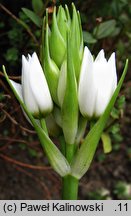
x=71, y=88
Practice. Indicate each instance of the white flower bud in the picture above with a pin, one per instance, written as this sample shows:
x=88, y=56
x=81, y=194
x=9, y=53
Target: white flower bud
x=98, y=81
x=34, y=89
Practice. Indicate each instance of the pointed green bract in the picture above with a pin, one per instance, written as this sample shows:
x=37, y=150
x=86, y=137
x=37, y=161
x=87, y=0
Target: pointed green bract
x=57, y=43
x=50, y=69
x=76, y=44
x=62, y=22
x=69, y=109
x=76, y=25
x=68, y=15
x=42, y=42
x=57, y=160
x=81, y=38
x=87, y=150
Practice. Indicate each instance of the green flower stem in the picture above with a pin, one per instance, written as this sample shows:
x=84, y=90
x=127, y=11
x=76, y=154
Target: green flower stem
x=70, y=183
x=70, y=151
x=69, y=188
x=43, y=125
x=62, y=145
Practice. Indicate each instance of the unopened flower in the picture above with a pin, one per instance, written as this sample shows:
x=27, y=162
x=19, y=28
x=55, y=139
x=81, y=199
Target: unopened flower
x=98, y=81
x=33, y=89
x=55, y=46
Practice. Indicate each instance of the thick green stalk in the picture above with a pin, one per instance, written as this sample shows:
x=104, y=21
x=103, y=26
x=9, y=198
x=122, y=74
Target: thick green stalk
x=69, y=188
x=62, y=145
x=70, y=151
x=69, y=183
x=43, y=125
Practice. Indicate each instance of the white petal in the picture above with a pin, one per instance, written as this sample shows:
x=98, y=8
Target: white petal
x=102, y=99
x=100, y=56
x=104, y=82
x=18, y=88
x=39, y=85
x=112, y=71
x=86, y=92
x=25, y=69
x=62, y=83
x=28, y=96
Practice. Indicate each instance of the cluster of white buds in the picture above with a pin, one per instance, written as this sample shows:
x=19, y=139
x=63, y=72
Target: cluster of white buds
x=66, y=89
x=70, y=78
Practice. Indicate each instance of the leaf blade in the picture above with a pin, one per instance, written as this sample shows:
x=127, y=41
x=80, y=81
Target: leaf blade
x=104, y=29
x=33, y=17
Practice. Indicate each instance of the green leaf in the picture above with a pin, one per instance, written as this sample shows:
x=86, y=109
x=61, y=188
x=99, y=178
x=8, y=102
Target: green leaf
x=115, y=32
x=37, y=5
x=88, y=38
x=104, y=29
x=33, y=17
x=85, y=154
x=56, y=158
x=106, y=140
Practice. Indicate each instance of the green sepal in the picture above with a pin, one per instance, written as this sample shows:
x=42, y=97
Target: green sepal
x=85, y=154
x=76, y=42
x=56, y=42
x=51, y=70
x=69, y=110
x=62, y=22
x=56, y=158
